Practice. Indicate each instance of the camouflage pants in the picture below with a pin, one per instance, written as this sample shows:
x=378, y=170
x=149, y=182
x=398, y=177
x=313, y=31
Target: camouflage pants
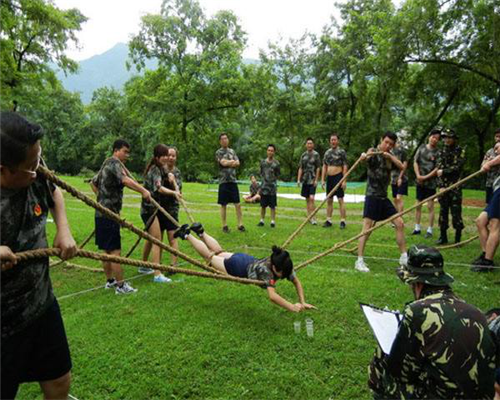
x=451, y=201
x=385, y=386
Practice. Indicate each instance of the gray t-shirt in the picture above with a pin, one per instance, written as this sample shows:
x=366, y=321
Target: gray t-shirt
x=226, y=174
x=309, y=162
x=110, y=187
x=269, y=172
x=402, y=156
x=261, y=270
x=152, y=182
x=26, y=288
x=426, y=160
x=379, y=175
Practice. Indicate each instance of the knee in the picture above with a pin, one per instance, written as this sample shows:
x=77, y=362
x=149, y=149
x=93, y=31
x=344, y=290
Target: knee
x=399, y=223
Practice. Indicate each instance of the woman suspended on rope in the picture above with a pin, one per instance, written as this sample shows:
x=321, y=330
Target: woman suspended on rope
x=163, y=187
x=278, y=266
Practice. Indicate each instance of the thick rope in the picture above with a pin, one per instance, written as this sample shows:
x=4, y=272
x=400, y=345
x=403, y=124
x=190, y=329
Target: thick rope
x=115, y=217
x=148, y=225
x=80, y=246
x=40, y=253
x=310, y=216
x=186, y=210
x=459, y=244
x=388, y=220
x=78, y=266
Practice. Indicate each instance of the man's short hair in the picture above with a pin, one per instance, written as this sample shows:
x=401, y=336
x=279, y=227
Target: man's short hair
x=390, y=135
x=497, y=131
x=492, y=311
x=119, y=144
x=310, y=138
x=271, y=145
x=223, y=134
x=334, y=134
x=17, y=134
x=435, y=131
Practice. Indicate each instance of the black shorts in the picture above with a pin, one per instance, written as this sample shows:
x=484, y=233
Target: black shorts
x=237, y=264
x=228, y=193
x=308, y=190
x=165, y=223
x=378, y=208
x=38, y=353
x=107, y=234
x=331, y=182
x=401, y=190
x=489, y=194
x=493, y=208
x=424, y=192
x=268, y=200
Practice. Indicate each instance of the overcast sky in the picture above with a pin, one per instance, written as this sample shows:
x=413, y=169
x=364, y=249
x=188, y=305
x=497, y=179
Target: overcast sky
x=113, y=21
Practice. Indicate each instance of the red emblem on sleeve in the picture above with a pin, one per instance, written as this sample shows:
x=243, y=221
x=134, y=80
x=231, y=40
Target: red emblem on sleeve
x=37, y=210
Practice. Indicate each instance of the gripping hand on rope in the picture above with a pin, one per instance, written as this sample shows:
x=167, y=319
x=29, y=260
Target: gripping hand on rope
x=7, y=258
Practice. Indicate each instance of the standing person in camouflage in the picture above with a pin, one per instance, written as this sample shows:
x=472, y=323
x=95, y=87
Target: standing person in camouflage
x=228, y=161
x=108, y=185
x=308, y=175
x=495, y=171
x=268, y=270
x=377, y=206
x=425, y=169
x=450, y=163
x=443, y=348
x=34, y=345
x=269, y=172
x=334, y=168
x=488, y=222
x=399, y=178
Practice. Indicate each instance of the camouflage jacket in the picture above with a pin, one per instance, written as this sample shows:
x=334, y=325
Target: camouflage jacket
x=152, y=182
x=309, y=162
x=451, y=160
x=336, y=157
x=109, y=184
x=260, y=269
x=402, y=155
x=269, y=172
x=170, y=203
x=426, y=160
x=379, y=175
x=226, y=174
x=26, y=290
x=254, y=188
x=494, y=172
x=444, y=345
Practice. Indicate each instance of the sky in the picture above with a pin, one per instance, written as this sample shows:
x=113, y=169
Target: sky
x=113, y=21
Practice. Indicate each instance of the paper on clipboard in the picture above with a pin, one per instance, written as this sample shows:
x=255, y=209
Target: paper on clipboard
x=384, y=324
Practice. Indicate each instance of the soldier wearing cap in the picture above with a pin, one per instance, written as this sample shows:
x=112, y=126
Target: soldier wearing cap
x=443, y=349
x=450, y=163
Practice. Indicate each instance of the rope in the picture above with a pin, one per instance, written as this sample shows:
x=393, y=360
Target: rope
x=459, y=244
x=51, y=252
x=115, y=217
x=148, y=225
x=388, y=220
x=186, y=210
x=310, y=216
x=81, y=246
x=78, y=266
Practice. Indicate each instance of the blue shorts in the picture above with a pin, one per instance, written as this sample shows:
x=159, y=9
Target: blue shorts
x=493, y=208
x=401, y=190
x=489, y=194
x=378, y=208
x=107, y=234
x=331, y=182
x=237, y=264
x=307, y=190
x=424, y=192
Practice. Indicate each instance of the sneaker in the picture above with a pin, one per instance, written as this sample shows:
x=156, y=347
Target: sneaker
x=314, y=222
x=327, y=224
x=479, y=260
x=225, y=229
x=161, y=279
x=182, y=232
x=145, y=271
x=261, y=223
x=342, y=225
x=241, y=228
x=403, y=260
x=110, y=284
x=273, y=224
x=125, y=289
x=485, y=266
x=197, y=228
x=417, y=232
x=361, y=266
x=428, y=235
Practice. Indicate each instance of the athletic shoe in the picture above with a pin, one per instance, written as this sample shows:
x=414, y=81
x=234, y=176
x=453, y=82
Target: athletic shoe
x=110, y=284
x=273, y=224
x=428, y=235
x=225, y=229
x=327, y=224
x=261, y=223
x=403, y=260
x=197, y=228
x=314, y=222
x=241, y=228
x=182, y=232
x=125, y=289
x=361, y=266
x=417, y=232
x=161, y=279
x=479, y=260
x=145, y=271
x=342, y=225
x=485, y=266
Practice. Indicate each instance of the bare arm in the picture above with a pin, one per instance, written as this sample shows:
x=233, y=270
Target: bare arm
x=487, y=165
x=299, y=176
x=323, y=174
x=300, y=294
x=316, y=178
x=94, y=188
x=131, y=184
x=280, y=301
x=63, y=239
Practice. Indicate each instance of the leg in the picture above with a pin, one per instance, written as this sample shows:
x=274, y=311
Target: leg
x=273, y=214
x=262, y=213
x=218, y=262
x=223, y=214
x=367, y=224
x=155, y=231
x=399, y=203
x=56, y=388
x=430, y=206
x=212, y=244
x=482, y=229
x=108, y=270
x=239, y=215
x=493, y=239
x=116, y=268
x=418, y=215
x=329, y=209
x=173, y=243
x=400, y=234
x=342, y=209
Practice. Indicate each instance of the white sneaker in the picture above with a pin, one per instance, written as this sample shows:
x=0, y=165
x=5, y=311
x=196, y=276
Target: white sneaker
x=161, y=279
x=110, y=285
x=403, y=260
x=145, y=271
x=125, y=289
x=314, y=222
x=361, y=266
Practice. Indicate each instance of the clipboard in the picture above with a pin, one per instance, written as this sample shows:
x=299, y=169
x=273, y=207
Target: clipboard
x=384, y=324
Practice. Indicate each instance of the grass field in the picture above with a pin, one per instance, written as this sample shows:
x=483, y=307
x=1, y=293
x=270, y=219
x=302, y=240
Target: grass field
x=201, y=338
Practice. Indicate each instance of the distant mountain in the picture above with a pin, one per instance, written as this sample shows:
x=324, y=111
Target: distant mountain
x=106, y=69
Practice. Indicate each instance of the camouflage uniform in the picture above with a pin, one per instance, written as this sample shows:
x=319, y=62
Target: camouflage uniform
x=426, y=159
x=226, y=174
x=152, y=182
x=379, y=175
x=110, y=187
x=254, y=188
x=269, y=173
x=309, y=162
x=336, y=157
x=261, y=270
x=443, y=349
x=492, y=174
x=170, y=203
x=402, y=155
x=451, y=160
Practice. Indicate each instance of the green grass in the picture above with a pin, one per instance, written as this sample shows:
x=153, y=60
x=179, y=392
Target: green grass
x=201, y=338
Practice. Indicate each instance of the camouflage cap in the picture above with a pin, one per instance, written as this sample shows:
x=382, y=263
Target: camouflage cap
x=425, y=265
x=449, y=133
